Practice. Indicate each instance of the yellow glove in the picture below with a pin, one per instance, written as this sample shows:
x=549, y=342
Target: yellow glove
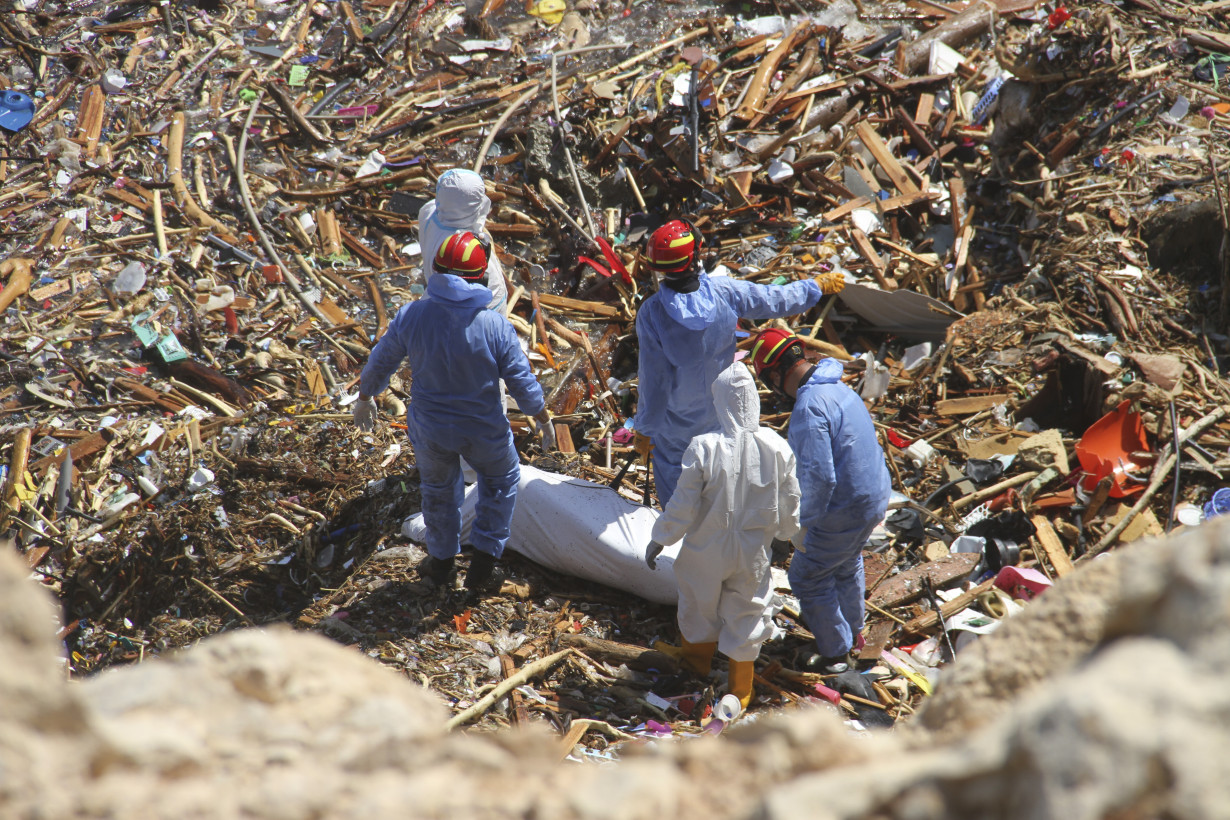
x=830, y=283
x=642, y=444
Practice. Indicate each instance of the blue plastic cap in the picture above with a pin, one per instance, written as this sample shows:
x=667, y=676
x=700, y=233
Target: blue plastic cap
x=16, y=111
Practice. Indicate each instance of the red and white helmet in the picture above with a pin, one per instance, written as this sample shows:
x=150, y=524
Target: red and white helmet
x=674, y=248
x=769, y=348
x=463, y=254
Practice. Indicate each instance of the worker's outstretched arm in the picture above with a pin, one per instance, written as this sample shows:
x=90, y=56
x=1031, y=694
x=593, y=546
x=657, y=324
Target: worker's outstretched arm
x=761, y=302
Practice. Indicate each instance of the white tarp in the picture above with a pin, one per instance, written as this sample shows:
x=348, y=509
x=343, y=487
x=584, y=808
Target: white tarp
x=587, y=530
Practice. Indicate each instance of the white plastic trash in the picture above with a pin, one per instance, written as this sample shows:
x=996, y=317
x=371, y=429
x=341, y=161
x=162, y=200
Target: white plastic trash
x=728, y=708
x=200, y=479
x=920, y=452
x=131, y=279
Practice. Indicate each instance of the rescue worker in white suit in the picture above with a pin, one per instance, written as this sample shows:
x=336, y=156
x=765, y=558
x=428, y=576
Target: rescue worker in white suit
x=737, y=492
x=461, y=204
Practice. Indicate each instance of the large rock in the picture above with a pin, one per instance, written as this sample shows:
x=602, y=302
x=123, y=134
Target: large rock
x=1106, y=698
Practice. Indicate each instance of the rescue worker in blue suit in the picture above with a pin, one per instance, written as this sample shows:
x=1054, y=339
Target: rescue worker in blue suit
x=458, y=351
x=686, y=332
x=845, y=486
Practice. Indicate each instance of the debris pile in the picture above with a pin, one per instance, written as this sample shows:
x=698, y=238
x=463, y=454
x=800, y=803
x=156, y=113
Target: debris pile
x=209, y=214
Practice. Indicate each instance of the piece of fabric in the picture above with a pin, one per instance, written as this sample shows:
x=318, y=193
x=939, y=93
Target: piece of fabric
x=737, y=492
x=686, y=339
x=845, y=489
x=458, y=351
x=461, y=204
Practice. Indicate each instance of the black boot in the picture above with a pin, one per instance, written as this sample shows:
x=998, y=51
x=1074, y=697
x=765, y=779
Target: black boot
x=436, y=570
x=483, y=576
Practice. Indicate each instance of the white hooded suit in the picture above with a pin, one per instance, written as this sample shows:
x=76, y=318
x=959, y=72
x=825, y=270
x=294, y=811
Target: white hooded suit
x=737, y=492
x=461, y=204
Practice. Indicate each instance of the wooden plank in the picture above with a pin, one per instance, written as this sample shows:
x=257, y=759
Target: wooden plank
x=127, y=197
x=613, y=652
x=330, y=309
x=1052, y=545
x=567, y=303
x=520, y=716
x=893, y=203
x=926, y=105
x=80, y=450
x=877, y=637
x=367, y=254
x=81, y=278
x=563, y=437
x=863, y=244
x=905, y=587
x=920, y=140
x=90, y=119
x=969, y=404
x=758, y=86
x=929, y=620
x=879, y=150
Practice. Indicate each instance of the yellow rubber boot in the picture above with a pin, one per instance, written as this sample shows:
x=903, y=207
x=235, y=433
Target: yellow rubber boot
x=740, y=680
x=698, y=656
x=695, y=656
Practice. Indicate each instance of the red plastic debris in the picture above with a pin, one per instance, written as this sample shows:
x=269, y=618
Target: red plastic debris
x=1106, y=450
x=587, y=261
x=616, y=264
x=1058, y=17
x=898, y=440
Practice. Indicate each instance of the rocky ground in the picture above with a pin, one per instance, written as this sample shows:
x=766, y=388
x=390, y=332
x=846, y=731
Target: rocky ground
x=1103, y=700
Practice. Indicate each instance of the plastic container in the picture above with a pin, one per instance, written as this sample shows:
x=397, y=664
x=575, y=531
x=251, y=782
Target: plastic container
x=920, y=452
x=1219, y=504
x=728, y=708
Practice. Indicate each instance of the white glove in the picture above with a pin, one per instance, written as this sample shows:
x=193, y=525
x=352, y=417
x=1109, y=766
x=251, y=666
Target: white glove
x=364, y=414
x=547, y=431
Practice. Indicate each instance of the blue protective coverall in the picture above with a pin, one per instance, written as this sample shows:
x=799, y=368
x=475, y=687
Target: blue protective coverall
x=845, y=488
x=458, y=351
x=686, y=339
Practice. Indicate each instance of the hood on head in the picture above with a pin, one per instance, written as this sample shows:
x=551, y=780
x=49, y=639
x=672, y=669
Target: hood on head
x=827, y=371
x=735, y=399
x=461, y=200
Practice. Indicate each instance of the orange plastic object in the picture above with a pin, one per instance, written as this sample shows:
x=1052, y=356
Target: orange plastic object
x=1106, y=450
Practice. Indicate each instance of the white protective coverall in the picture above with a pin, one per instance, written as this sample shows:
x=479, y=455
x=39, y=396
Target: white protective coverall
x=461, y=204
x=737, y=491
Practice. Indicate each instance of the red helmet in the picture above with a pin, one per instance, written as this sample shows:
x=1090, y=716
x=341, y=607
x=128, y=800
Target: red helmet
x=463, y=254
x=770, y=346
x=674, y=248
